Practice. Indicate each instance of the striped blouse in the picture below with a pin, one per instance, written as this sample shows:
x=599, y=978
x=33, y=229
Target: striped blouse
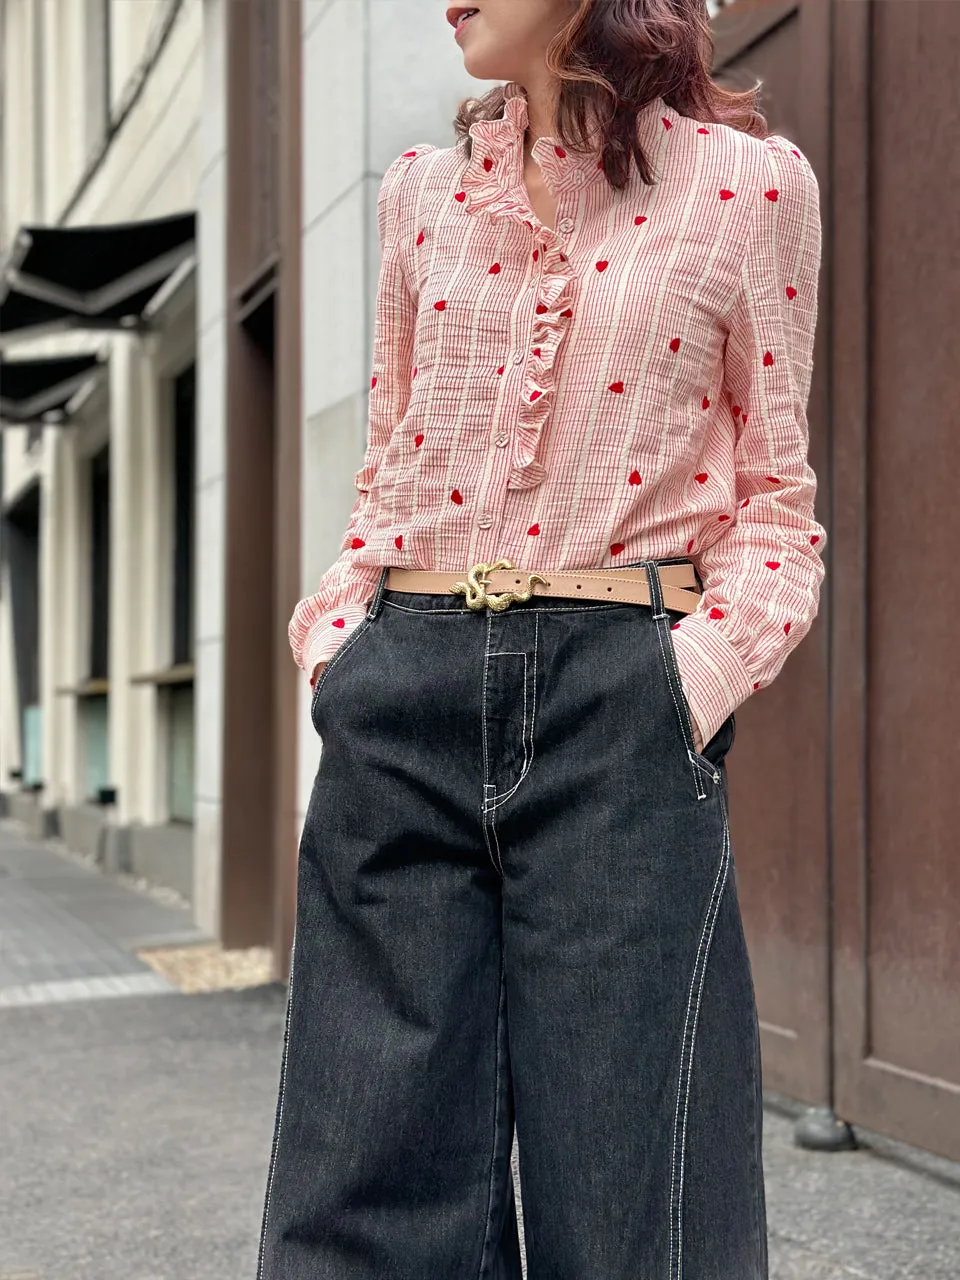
x=630, y=384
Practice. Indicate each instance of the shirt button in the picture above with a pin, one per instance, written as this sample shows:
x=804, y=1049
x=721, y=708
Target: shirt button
x=519, y=357
x=501, y=440
x=566, y=225
x=484, y=520
x=578, y=177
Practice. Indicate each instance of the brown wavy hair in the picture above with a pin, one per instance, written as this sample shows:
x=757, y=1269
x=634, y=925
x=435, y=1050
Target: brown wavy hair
x=613, y=57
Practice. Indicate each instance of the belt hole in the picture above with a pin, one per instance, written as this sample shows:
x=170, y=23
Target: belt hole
x=578, y=586
x=609, y=588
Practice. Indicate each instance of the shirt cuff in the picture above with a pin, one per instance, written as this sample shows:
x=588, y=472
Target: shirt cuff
x=329, y=632
x=713, y=677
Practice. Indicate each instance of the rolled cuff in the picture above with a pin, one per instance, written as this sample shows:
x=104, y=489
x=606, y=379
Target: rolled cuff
x=327, y=634
x=713, y=677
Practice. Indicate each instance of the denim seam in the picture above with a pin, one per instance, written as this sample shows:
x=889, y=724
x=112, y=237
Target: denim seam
x=487, y=785
x=686, y=1072
x=279, y=1119
x=601, y=607
x=490, y=1244
x=497, y=800
x=491, y=802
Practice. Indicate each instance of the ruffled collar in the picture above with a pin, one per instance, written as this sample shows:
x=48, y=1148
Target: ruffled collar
x=496, y=158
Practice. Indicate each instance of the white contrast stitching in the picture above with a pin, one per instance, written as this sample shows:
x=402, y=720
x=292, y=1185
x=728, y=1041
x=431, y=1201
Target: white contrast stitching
x=527, y=760
x=713, y=909
x=276, y=1136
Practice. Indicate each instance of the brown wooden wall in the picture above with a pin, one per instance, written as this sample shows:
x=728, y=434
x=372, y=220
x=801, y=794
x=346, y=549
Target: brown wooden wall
x=845, y=822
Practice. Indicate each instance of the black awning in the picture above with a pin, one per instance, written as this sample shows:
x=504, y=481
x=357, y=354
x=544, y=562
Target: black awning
x=98, y=277
x=37, y=391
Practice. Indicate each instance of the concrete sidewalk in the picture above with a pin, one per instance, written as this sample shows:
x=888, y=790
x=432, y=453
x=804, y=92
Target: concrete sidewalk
x=135, y=1132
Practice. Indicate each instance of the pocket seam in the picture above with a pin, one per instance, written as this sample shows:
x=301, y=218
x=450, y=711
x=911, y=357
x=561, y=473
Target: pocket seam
x=361, y=629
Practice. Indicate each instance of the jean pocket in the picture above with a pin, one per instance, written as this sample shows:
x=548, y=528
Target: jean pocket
x=712, y=756
x=349, y=646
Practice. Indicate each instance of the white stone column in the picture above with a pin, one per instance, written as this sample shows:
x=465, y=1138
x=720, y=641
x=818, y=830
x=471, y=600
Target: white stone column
x=125, y=558
x=211, y=452
x=150, y=626
x=73, y=648
x=50, y=615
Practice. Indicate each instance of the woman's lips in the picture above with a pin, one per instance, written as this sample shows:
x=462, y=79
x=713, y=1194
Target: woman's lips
x=460, y=26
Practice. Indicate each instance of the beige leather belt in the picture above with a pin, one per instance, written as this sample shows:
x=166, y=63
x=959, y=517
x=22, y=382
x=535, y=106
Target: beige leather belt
x=496, y=586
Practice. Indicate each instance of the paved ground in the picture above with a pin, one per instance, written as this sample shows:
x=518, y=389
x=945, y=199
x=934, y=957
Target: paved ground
x=135, y=1130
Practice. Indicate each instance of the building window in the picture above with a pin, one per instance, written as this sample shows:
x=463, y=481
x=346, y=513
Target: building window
x=184, y=419
x=100, y=564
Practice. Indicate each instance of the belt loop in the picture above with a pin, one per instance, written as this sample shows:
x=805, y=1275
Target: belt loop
x=375, y=604
x=652, y=570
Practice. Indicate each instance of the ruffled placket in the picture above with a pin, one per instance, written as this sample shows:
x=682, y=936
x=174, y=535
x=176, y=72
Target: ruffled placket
x=493, y=185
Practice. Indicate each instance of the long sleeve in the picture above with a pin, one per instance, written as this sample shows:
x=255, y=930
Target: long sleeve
x=322, y=621
x=762, y=576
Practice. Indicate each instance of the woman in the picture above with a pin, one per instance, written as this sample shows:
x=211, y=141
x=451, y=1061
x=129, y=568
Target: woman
x=516, y=900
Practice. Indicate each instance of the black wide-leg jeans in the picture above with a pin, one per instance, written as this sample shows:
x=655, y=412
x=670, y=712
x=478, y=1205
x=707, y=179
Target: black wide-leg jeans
x=516, y=906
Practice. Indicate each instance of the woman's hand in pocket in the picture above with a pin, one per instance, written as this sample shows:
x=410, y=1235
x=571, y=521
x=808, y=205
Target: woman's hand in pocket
x=317, y=671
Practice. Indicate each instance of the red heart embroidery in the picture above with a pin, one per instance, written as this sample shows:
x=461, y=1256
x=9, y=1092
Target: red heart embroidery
x=786, y=628
x=744, y=419
x=616, y=548
x=541, y=308
x=772, y=194
x=674, y=625
x=791, y=291
x=568, y=314
x=674, y=344
x=716, y=613
x=501, y=369
x=560, y=152
x=666, y=122
x=494, y=270
x=373, y=382
x=772, y=564
x=415, y=373
x=705, y=403
x=420, y=238
x=689, y=546
x=440, y=306
x=796, y=153
x=815, y=539
x=535, y=395
x=602, y=265
x=534, y=530
x=398, y=542
x=460, y=196
x=407, y=154
x=702, y=130
x=563, y=257
x=736, y=411
x=338, y=622
x=767, y=359
x=721, y=518
x=488, y=164
x=456, y=497
x=418, y=439
x=616, y=386
x=726, y=194
x=635, y=477
x=744, y=502
x=757, y=685
x=702, y=477
x=536, y=254
x=638, y=222
x=357, y=543
x=536, y=351
x=774, y=479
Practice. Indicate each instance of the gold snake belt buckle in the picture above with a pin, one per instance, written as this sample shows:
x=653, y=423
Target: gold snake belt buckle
x=475, y=587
